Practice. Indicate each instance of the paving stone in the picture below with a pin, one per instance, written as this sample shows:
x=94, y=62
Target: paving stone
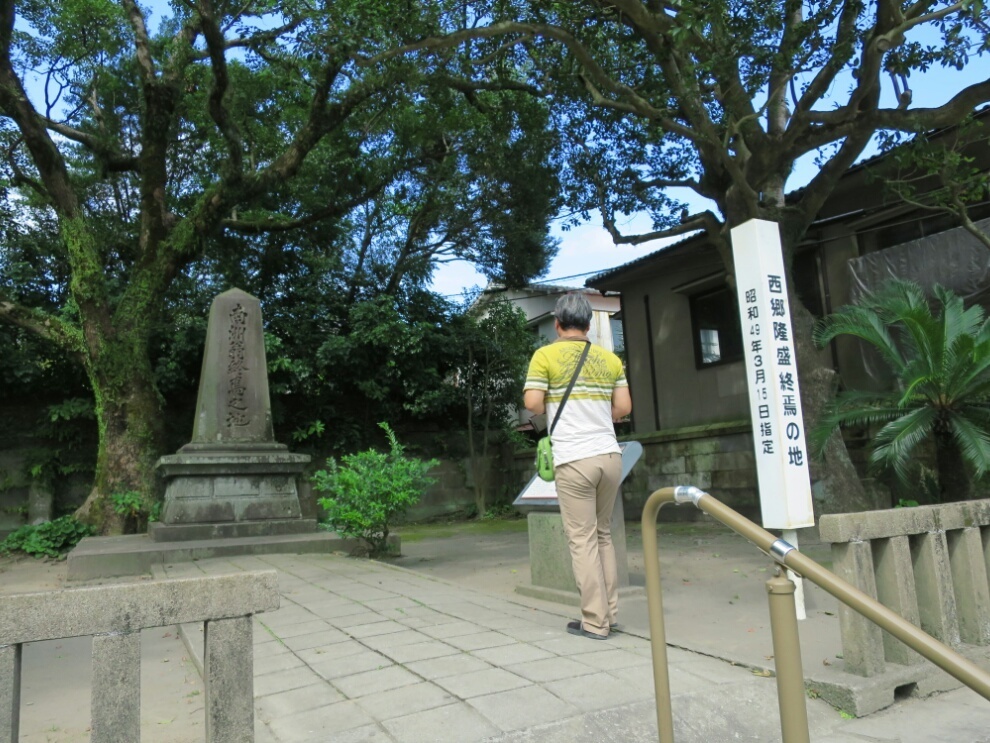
x=302, y=628
x=489, y=681
x=371, y=682
x=315, y=639
x=317, y=724
x=455, y=722
x=532, y=633
x=450, y=665
x=363, y=734
x=523, y=708
x=507, y=655
x=392, y=602
x=598, y=691
x=451, y=629
x=281, y=662
x=394, y=639
x=479, y=641
x=335, y=668
x=565, y=644
x=335, y=607
x=610, y=660
x=286, y=616
x=285, y=703
x=550, y=669
x=376, y=628
x=294, y=678
x=419, y=651
x=322, y=653
x=368, y=593
x=406, y=700
x=269, y=649
x=357, y=621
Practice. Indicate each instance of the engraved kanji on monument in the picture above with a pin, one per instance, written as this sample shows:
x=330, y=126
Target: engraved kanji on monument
x=233, y=407
x=232, y=479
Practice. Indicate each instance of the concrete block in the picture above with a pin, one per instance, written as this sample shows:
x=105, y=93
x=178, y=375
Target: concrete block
x=549, y=555
x=116, y=697
x=895, y=590
x=10, y=693
x=969, y=580
x=230, y=530
x=862, y=641
x=673, y=466
x=985, y=533
x=229, y=680
x=936, y=600
x=128, y=607
x=40, y=503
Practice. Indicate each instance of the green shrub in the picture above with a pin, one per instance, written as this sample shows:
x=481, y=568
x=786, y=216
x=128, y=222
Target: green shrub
x=369, y=489
x=51, y=539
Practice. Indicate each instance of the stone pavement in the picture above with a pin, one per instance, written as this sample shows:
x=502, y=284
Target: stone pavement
x=366, y=651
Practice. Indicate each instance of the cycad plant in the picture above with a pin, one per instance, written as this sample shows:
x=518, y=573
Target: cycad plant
x=939, y=353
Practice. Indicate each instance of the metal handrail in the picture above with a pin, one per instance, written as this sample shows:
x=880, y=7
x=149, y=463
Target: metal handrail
x=783, y=619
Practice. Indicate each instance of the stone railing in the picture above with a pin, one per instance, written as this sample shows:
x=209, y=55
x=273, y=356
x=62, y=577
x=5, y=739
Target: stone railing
x=930, y=564
x=114, y=616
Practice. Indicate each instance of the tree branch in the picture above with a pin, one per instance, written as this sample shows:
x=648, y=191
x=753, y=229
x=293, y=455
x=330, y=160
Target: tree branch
x=215, y=46
x=62, y=334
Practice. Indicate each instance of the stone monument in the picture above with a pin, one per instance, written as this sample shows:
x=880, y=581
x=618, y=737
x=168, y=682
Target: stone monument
x=232, y=479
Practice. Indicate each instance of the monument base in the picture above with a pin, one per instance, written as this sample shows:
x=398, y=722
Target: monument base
x=224, y=488
x=160, y=532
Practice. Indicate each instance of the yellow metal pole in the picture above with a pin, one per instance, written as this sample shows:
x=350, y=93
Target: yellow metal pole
x=787, y=660
x=654, y=602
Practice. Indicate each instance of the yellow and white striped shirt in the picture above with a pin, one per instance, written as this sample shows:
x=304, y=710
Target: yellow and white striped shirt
x=585, y=427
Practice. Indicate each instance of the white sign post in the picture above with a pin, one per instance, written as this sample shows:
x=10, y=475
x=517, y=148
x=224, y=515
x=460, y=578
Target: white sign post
x=772, y=381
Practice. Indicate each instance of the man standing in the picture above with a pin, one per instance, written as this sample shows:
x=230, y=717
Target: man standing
x=587, y=459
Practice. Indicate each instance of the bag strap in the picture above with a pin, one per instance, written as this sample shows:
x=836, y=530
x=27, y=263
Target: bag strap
x=567, y=393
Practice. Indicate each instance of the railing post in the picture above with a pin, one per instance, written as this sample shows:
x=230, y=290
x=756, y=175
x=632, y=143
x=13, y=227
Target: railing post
x=228, y=671
x=972, y=588
x=115, y=702
x=862, y=640
x=654, y=603
x=10, y=693
x=936, y=599
x=895, y=590
x=787, y=660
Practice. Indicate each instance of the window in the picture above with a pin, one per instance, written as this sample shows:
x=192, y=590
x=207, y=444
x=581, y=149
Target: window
x=618, y=339
x=715, y=327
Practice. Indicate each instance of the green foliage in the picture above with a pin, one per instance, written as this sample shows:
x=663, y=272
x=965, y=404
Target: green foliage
x=51, y=539
x=940, y=362
x=369, y=489
x=128, y=504
x=906, y=503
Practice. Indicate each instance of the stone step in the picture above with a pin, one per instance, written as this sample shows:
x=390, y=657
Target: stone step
x=96, y=558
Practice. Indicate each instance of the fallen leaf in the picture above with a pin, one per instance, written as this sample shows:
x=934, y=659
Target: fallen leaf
x=826, y=662
x=764, y=673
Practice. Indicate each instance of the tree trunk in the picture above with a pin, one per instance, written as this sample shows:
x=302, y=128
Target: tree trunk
x=835, y=484
x=128, y=412
x=953, y=480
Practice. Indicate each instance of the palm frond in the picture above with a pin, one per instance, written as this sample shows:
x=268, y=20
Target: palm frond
x=895, y=443
x=862, y=323
x=973, y=440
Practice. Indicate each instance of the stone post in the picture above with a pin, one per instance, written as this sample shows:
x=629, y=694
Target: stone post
x=862, y=641
x=228, y=673
x=116, y=696
x=895, y=590
x=936, y=601
x=10, y=693
x=969, y=578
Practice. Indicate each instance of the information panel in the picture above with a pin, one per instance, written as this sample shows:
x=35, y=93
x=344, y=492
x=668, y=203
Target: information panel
x=539, y=495
x=771, y=377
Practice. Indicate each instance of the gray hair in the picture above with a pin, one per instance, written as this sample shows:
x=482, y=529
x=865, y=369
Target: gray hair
x=573, y=312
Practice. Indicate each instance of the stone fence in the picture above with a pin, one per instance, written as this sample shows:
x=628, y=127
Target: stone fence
x=930, y=564
x=115, y=615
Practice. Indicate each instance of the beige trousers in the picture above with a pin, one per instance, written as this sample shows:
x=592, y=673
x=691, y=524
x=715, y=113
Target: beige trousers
x=586, y=491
